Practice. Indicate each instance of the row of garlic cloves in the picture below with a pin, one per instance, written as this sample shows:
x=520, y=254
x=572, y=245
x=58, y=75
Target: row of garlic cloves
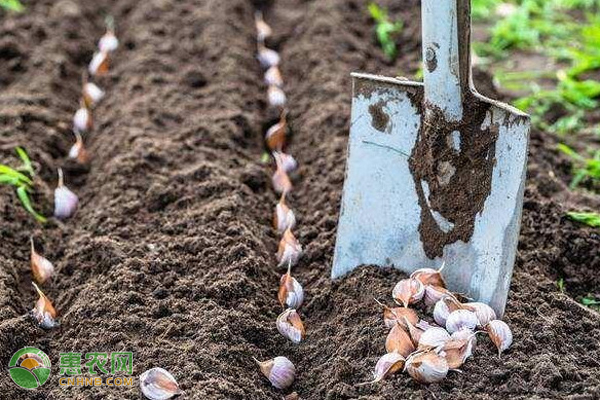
x=280, y=371
x=428, y=351
x=65, y=200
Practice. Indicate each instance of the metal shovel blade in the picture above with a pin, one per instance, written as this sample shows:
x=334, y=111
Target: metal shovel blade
x=435, y=172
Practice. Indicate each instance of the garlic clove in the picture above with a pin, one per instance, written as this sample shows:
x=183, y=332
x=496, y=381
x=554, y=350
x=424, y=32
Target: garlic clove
x=457, y=350
x=78, y=151
x=286, y=161
x=483, y=312
x=108, y=43
x=433, y=338
x=292, y=396
x=82, y=120
x=159, y=384
x=433, y=294
x=99, y=64
x=430, y=276
x=399, y=340
x=289, y=250
x=92, y=94
x=263, y=30
x=414, y=332
x=290, y=325
x=427, y=367
x=268, y=58
x=500, y=334
x=444, y=307
x=65, y=201
x=281, y=181
x=393, y=315
x=276, y=135
x=461, y=319
x=279, y=371
x=408, y=291
x=276, y=97
x=44, y=311
x=283, y=217
x=42, y=268
x=387, y=365
x=290, y=293
x=273, y=77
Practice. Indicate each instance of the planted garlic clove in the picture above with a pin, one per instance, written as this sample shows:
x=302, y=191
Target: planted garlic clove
x=408, y=291
x=500, y=334
x=387, y=365
x=65, y=201
x=92, y=94
x=290, y=325
x=44, y=312
x=159, y=384
x=276, y=97
x=263, y=30
x=108, y=43
x=281, y=181
x=268, y=58
x=78, y=151
x=443, y=308
x=461, y=319
x=430, y=276
x=283, y=217
x=273, y=77
x=286, y=161
x=483, y=312
x=291, y=294
x=393, y=315
x=433, y=338
x=399, y=340
x=99, y=64
x=279, y=371
x=433, y=294
x=82, y=120
x=427, y=367
x=289, y=250
x=276, y=135
x=42, y=268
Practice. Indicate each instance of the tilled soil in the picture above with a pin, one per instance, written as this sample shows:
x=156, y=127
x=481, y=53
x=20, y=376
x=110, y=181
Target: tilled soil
x=171, y=255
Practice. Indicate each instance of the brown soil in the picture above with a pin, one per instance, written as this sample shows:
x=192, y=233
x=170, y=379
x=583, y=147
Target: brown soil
x=171, y=255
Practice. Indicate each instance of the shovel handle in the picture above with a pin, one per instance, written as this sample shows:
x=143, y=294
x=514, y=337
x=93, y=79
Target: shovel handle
x=446, y=55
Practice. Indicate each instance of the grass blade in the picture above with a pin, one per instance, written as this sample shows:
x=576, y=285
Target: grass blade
x=24, y=197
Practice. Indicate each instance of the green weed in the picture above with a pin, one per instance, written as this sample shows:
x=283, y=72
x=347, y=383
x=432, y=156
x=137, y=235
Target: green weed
x=385, y=29
x=591, y=301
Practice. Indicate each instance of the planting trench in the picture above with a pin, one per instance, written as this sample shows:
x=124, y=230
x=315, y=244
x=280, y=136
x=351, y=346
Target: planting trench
x=171, y=253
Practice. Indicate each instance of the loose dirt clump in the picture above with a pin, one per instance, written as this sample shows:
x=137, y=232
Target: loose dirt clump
x=171, y=253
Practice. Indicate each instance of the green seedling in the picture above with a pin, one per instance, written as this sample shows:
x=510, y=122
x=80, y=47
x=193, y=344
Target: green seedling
x=482, y=10
x=591, y=301
x=586, y=168
x=385, y=29
x=560, y=284
x=21, y=179
x=12, y=5
x=588, y=218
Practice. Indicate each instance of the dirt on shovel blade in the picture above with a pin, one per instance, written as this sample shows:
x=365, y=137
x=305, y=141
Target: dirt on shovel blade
x=171, y=254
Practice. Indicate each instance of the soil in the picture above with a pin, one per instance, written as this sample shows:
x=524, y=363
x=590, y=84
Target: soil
x=171, y=254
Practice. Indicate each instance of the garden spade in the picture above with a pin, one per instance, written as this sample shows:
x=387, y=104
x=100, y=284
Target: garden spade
x=435, y=172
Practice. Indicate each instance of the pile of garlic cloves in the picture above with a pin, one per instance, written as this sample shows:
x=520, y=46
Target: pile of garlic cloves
x=280, y=371
x=427, y=351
